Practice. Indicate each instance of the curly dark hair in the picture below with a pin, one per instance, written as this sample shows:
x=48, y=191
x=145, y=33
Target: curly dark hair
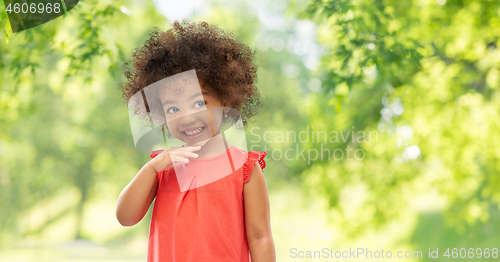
x=224, y=66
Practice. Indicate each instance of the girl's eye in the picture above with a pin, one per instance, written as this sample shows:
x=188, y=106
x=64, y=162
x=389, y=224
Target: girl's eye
x=200, y=103
x=173, y=110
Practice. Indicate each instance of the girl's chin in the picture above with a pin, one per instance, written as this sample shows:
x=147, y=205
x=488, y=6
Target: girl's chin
x=197, y=143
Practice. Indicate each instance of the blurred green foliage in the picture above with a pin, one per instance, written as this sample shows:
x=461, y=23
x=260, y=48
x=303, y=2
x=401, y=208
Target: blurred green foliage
x=421, y=73
x=64, y=124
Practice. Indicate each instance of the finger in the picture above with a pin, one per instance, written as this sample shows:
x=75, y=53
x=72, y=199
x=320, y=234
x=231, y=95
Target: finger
x=192, y=148
x=185, y=154
x=165, y=154
x=179, y=160
x=188, y=154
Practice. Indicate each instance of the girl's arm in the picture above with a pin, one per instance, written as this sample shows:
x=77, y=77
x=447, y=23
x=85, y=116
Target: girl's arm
x=136, y=197
x=257, y=217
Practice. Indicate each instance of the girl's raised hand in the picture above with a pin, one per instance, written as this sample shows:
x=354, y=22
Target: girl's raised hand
x=177, y=155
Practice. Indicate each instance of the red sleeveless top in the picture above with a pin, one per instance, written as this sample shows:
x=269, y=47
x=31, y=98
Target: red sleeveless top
x=205, y=223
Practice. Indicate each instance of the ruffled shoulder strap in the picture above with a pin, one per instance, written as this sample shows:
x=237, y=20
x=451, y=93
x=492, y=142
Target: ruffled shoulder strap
x=253, y=156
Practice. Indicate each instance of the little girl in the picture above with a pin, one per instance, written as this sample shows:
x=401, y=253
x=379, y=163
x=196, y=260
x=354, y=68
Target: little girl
x=227, y=220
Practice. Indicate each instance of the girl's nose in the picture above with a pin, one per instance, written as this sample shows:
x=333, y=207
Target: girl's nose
x=187, y=119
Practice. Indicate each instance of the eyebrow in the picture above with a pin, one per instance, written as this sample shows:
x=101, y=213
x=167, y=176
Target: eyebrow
x=191, y=97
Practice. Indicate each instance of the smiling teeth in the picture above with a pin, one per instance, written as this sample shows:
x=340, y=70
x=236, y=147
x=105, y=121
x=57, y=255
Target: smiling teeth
x=195, y=132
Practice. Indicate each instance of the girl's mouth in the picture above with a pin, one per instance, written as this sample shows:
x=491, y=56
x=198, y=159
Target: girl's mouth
x=193, y=133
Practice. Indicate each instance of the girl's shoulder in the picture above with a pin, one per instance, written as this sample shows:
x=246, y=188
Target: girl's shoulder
x=253, y=157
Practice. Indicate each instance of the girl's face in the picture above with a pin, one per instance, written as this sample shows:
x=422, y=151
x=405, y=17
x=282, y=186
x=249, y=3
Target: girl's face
x=192, y=115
